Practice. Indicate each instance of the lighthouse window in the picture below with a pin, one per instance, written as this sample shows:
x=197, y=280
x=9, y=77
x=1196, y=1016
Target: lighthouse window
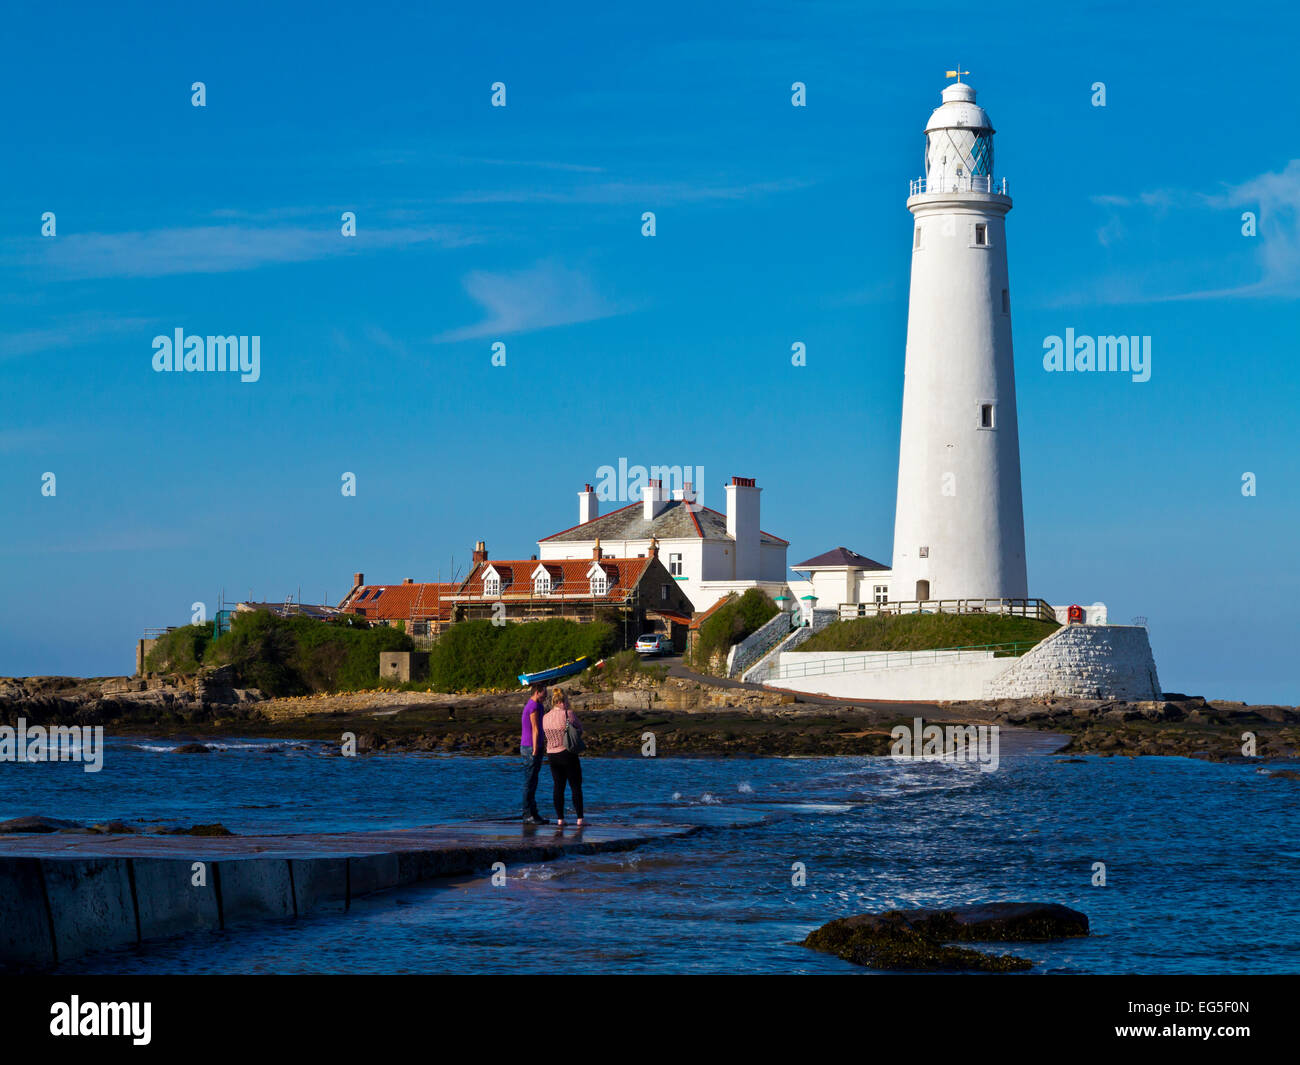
x=916, y=238
x=1006, y=301
x=981, y=233
x=986, y=416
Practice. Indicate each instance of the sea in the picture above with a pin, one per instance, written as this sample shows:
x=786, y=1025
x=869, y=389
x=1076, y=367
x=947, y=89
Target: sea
x=1182, y=866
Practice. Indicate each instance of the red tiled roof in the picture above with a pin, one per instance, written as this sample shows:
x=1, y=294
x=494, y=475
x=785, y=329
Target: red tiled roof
x=568, y=577
x=393, y=602
x=699, y=619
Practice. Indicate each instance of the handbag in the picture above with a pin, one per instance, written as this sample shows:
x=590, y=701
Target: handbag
x=573, y=741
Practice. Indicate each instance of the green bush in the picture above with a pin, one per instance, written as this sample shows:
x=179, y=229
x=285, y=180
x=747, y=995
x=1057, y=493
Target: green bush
x=297, y=656
x=736, y=619
x=179, y=651
x=472, y=655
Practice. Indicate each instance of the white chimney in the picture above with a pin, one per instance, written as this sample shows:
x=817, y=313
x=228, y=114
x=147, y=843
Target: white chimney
x=742, y=526
x=652, y=499
x=588, y=505
x=686, y=492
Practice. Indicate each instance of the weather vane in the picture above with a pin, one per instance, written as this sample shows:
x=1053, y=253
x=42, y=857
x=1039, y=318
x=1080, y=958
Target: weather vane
x=957, y=73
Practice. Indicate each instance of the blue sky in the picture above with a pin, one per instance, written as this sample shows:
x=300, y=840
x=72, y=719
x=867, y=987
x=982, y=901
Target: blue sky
x=522, y=224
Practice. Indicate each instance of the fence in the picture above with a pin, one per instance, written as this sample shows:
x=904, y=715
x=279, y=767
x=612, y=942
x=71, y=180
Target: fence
x=874, y=660
x=1023, y=608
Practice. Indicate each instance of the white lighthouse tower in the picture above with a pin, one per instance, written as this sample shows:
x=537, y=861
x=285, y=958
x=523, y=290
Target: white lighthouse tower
x=959, y=529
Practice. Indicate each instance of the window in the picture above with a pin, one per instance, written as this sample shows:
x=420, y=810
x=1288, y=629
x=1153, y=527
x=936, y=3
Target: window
x=981, y=234
x=492, y=586
x=663, y=592
x=986, y=416
x=599, y=584
x=916, y=238
x=542, y=584
x=923, y=552
x=1006, y=301
x=675, y=565
x=881, y=594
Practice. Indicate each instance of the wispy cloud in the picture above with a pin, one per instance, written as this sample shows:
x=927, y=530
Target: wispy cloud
x=546, y=294
x=648, y=194
x=1274, y=197
x=17, y=440
x=216, y=249
x=67, y=333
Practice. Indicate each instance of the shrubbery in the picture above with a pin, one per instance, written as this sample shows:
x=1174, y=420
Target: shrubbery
x=295, y=656
x=737, y=618
x=281, y=656
x=478, y=654
x=179, y=651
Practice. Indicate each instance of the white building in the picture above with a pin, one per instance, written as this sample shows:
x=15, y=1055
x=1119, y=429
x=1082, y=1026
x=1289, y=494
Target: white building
x=841, y=576
x=707, y=552
x=959, y=528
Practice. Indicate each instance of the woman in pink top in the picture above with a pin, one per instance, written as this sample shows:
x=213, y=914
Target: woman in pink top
x=566, y=767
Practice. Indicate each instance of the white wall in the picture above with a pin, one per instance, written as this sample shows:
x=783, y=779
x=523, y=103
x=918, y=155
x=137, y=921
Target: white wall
x=950, y=675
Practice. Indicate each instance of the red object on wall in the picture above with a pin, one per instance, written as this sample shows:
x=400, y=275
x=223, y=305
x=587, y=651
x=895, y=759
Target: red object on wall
x=1075, y=614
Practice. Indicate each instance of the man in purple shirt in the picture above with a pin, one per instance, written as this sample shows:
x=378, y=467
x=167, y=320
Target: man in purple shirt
x=532, y=746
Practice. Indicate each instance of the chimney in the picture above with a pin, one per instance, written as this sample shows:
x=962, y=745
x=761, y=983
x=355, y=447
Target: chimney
x=480, y=551
x=409, y=580
x=742, y=527
x=358, y=579
x=588, y=505
x=686, y=492
x=596, y=552
x=652, y=499
x=654, y=547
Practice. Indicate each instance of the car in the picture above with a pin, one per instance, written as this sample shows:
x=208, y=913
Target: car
x=653, y=643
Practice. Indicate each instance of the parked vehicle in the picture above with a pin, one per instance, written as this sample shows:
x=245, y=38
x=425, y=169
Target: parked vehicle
x=653, y=643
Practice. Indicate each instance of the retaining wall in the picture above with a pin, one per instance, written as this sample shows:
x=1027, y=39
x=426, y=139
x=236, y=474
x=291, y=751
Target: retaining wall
x=1084, y=661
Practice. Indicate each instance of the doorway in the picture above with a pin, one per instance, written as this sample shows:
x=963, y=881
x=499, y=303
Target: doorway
x=922, y=591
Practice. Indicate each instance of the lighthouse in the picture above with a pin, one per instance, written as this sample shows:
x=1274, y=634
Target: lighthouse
x=959, y=528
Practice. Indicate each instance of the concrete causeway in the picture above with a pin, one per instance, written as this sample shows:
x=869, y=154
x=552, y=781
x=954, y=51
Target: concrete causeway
x=66, y=894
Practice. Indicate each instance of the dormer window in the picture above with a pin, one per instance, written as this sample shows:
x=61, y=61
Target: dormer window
x=492, y=586
x=542, y=584
x=600, y=585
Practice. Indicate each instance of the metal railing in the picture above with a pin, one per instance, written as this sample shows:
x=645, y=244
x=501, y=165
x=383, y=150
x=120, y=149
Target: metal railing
x=876, y=660
x=965, y=183
x=1021, y=608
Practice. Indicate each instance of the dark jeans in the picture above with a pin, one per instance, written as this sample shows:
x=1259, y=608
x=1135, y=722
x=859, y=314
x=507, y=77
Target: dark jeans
x=532, y=769
x=566, y=767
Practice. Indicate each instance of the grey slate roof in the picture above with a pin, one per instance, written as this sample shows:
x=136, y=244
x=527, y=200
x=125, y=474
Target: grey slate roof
x=839, y=556
x=674, y=522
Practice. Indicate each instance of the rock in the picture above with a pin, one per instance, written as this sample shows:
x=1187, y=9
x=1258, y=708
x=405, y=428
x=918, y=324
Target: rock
x=37, y=824
x=1280, y=774
x=192, y=748
x=920, y=939
x=114, y=828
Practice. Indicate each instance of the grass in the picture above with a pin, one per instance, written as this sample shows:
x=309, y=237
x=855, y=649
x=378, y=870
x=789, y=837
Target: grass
x=924, y=632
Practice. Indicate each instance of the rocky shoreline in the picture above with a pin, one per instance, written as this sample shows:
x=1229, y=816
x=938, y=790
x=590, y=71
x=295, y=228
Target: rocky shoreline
x=685, y=716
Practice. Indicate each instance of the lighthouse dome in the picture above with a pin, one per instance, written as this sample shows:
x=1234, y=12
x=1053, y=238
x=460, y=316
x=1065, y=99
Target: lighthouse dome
x=959, y=110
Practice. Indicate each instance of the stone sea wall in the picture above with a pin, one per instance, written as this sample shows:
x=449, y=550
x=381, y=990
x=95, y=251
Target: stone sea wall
x=1084, y=661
